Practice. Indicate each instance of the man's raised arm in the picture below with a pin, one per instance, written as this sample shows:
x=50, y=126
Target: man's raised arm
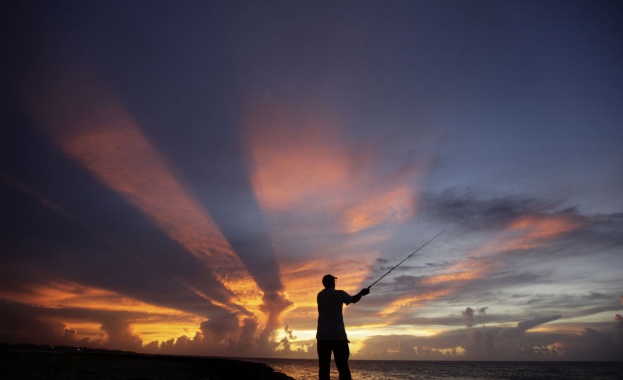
x=361, y=293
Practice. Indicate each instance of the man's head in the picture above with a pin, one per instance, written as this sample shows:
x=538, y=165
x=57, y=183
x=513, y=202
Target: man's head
x=329, y=281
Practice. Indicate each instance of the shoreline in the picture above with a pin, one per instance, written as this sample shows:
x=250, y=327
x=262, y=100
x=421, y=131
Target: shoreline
x=26, y=364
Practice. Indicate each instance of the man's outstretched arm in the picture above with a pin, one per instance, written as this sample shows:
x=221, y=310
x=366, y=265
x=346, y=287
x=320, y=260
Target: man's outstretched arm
x=361, y=293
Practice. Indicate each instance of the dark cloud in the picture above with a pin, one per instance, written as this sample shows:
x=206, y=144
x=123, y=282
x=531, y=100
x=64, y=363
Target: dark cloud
x=472, y=317
x=72, y=248
x=408, y=347
x=289, y=333
x=527, y=264
x=476, y=211
x=595, y=345
x=468, y=316
x=22, y=323
x=248, y=341
x=479, y=210
x=499, y=343
x=120, y=335
x=524, y=326
x=183, y=345
x=509, y=343
x=493, y=343
x=221, y=327
x=220, y=334
x=274, y=304
x=28, y=324
x=585, y=303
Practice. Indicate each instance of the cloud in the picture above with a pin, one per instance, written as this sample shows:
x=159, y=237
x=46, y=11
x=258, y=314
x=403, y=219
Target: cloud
x=287, y=340
x=248, y=341
x=26, y=324
x=476, y=211
x=289, y=333
x=106, y=140
x=414, y=300
x=222, y=334
x=315, y=169
x=131, y=217
x=524, y=326
x=595, y=345
x=537, y=219
x=91, y=327
x=220, y=327
x=119, y=334
x=495, y=343
x=504, y=343
x=408, y=347
x=468, y=316
x=528, y=225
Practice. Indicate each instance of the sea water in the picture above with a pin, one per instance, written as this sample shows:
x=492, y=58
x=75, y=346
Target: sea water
x=301, y=369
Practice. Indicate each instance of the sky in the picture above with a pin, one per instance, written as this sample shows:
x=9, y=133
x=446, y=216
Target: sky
x=177, y=177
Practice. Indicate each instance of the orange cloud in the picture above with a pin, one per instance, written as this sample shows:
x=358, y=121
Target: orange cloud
x=529, y=232
x=526, y=233
x=458, y=276
x=295, y=159
x=65, y=294
x=393, y=205
x=536, y=229
x=90, y=126
x=124, y=160
x=152, y=322
x=463, y=270
x=305, y=166
x=414, y=300
x=301, y=160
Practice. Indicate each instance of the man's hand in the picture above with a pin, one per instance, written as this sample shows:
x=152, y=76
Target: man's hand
x=365, y=291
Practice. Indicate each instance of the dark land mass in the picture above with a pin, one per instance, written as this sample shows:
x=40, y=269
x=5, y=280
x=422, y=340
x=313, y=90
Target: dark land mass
x=44, y=362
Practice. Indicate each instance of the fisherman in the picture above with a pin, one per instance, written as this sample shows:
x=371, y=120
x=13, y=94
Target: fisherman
x=331, y=334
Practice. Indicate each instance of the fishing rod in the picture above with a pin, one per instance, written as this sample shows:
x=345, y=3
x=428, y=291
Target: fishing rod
x=414, y=252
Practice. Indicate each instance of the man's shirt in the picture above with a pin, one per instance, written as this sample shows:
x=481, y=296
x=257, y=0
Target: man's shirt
x=330, y=320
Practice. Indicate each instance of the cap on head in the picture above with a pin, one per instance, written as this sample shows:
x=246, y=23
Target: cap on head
x=329, y=281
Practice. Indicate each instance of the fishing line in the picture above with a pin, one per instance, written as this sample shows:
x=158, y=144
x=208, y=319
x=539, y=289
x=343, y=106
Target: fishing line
x=413, y=253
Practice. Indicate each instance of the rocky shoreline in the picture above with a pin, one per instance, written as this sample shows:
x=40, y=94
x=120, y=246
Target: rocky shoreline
x=63, y=364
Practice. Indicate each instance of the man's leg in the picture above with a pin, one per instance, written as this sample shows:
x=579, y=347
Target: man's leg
x=324, y=359
x=341, y=354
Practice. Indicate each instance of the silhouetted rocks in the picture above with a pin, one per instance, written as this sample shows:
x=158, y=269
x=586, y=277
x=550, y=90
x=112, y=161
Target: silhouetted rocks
x=42, y=362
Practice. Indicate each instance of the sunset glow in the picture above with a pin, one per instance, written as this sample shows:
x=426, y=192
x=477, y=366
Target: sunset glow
x=108, y=143
x=178, y=181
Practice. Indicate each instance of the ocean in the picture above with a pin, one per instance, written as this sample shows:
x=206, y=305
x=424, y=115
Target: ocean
x=301, y=369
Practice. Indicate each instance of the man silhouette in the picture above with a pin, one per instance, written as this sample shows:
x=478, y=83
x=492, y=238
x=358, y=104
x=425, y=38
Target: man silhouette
x=331, y=334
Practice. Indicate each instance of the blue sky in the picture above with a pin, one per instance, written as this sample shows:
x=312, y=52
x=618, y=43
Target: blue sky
x=177, y=178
